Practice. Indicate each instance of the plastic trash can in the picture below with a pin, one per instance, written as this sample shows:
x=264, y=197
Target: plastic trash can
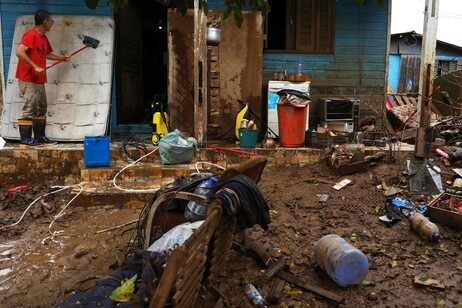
x=292, y=124
x=96, y=151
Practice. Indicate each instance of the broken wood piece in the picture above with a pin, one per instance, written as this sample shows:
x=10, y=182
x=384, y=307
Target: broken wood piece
x=257, y=251
x=219, y=303
x=390, y=191
x=428, y=282
x=290, y=278
x=277, y=290
x=270, y=272
x=218, y=295
x=117, y=227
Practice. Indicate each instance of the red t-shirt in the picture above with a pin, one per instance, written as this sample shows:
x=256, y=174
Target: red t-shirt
x=39, y=48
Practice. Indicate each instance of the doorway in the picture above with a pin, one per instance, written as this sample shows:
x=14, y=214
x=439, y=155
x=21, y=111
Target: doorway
x=141, y=62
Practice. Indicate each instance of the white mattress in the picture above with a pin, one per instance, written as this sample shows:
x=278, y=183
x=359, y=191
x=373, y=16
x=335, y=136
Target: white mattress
x=78, y=90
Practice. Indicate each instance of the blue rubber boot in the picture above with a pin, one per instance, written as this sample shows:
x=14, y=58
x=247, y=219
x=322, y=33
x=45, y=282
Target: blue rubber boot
x=25, y=131
x=39, y=131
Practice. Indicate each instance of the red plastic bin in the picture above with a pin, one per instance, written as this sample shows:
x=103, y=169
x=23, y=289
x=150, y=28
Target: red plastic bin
x=292, y=124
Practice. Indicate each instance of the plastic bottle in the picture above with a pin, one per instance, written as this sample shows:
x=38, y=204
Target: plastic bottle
x=344, y=263
x=196, y=211
x=299, y=69
x=254, y=295
x=286, y=74
x=424, y=227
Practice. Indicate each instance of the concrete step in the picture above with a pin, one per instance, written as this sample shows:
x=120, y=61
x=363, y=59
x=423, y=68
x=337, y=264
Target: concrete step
x=152, y=171
x=106, y=194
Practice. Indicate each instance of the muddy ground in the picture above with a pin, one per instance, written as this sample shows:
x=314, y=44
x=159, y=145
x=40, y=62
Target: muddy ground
x=36, y=271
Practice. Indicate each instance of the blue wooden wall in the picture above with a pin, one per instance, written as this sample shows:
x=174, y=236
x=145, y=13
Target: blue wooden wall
x=10, y=10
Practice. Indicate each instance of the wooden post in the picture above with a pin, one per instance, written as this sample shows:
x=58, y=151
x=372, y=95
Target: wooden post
x=200, y=75
x=426, y=76
x=427, y=61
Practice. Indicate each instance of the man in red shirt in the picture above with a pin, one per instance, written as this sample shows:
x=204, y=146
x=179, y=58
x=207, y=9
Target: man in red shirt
x=33, y=52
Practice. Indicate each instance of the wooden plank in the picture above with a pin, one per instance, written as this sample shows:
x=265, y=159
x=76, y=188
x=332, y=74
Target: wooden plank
x=200, y=75
x=310, y=287
x=276, y=293
x=270, y=272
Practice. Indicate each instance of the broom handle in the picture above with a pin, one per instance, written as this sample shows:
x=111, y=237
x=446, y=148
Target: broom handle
x=64, y=58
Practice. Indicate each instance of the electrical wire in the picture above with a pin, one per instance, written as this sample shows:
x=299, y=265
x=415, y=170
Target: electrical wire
x=209, y=163
x=60, y=214
x=124, y=168
x=33, y=202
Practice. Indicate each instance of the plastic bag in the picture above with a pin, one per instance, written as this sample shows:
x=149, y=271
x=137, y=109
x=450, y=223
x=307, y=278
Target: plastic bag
x=174, y=237
x=174, y=149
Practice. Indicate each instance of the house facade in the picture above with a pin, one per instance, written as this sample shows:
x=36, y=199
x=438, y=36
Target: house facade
x=342, y=46
x=404, y=67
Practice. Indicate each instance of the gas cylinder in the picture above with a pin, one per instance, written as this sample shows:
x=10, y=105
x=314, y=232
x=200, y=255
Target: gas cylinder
x=344, y=263
x=424, y=227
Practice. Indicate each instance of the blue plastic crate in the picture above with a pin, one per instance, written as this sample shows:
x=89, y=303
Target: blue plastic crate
x=96, y=151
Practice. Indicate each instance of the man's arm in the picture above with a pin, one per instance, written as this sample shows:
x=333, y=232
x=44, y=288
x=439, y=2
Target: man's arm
x=57, y=58
x=21, y=53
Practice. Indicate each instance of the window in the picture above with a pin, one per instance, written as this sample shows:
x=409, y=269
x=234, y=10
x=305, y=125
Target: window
x=443, y=67
x=301, y=26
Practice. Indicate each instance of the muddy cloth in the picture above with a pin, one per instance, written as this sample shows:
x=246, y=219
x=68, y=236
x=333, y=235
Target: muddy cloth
x=242, y=196
x=145, y=264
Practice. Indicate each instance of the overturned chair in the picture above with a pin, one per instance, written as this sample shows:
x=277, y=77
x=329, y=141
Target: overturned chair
x=203, y=255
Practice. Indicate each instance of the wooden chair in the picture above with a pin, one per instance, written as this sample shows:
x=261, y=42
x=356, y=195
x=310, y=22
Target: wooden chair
x=203, y=255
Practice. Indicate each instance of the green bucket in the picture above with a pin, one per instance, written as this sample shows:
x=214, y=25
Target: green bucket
x=248, y=137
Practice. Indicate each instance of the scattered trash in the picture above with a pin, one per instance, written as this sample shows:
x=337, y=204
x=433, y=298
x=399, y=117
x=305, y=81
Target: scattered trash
x=447, y=208
x=291, y=290
x=126, y=291
x=194, y=210
x=344, y=263
x=176, y=148
x=428, y=282
x=2, y=143
x=324, y=197
x=425, y=177
x=254, y=295
x=372, y=296
x=347, y=159
x=174, y=237
x=398, y=208
x=442, y=153
x=341, y=184
x=13, y=189
x=424, y=227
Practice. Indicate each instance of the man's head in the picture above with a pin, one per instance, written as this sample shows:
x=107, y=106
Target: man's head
x=41, y=17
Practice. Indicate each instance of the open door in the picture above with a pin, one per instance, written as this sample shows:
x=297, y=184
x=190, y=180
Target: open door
x=141, y=60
